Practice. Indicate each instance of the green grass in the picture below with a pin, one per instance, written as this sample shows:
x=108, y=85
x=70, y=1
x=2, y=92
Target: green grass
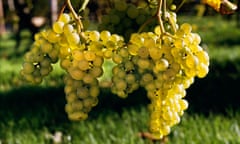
x=109, y=127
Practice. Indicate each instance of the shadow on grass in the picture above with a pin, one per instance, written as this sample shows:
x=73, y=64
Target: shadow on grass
x=218, y=92
x=45, y=106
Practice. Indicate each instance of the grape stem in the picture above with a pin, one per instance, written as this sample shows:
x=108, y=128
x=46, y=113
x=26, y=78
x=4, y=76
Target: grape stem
x=84, y=5
x=159, y=14
x=75, y=16
x=180, y=5
x=146, y=23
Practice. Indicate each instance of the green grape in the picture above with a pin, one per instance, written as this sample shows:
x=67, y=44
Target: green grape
x=28, y=67
x=114, y=19
x=132, y=12
x=105, y=19
x=140, y=19
x=125, y=18
x=120, y=5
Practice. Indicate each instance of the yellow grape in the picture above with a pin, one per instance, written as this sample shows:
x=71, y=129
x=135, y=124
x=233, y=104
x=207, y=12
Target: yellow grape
x=82, y=92
x=52, y=37
x=105, y=35
x=65, y=18
x=89, y=55
x=83, y=65
x=77, y=55
x=133, y=49
x=98, y=61
x=88, y=79
x=161, y=65
x=96, y=71
x=73, y=38
x=68, y=29
x=71, y=97
x=65, y=63
x=143, y=52
x=94, y=91
x=58, y=27
x=76, y=116
x=94, y=36
x=28, y=67
x=76, y=73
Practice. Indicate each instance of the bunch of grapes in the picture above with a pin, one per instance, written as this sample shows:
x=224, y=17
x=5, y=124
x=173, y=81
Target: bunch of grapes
x=164, y=61
x=124, y=74
x=166, y=66
x=38, y=61
x=126, y=18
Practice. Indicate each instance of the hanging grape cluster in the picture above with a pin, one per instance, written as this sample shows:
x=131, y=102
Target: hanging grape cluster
x=126, y=18
x=164, y=61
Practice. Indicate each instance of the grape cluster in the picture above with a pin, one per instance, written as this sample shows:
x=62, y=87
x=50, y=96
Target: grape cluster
x=167, y=65
x=124, y=74
x=164, y=61
x=126, y=18
x=38, y=61
x=81, y=55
